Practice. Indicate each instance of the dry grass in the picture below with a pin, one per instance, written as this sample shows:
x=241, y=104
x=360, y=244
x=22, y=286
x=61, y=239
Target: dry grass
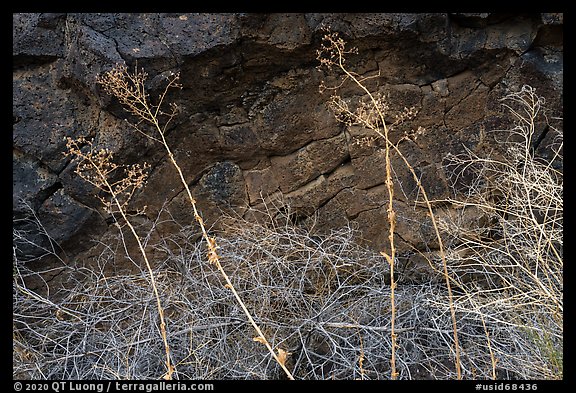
x=324, y=299
x=317, y=297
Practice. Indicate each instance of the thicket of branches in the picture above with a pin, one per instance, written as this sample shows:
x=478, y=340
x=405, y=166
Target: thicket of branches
x=509, y=267
x=324, y=307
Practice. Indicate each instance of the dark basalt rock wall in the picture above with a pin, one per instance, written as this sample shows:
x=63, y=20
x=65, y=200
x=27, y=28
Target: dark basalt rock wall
x=252, y=125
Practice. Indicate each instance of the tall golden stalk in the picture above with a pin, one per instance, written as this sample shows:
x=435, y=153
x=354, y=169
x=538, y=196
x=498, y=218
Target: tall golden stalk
x=129, y=89
x=371, y=114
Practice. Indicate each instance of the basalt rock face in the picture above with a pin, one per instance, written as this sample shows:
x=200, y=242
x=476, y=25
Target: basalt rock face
x=253, y=130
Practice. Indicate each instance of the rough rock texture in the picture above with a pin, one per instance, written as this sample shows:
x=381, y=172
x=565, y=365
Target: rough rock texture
x=253, y=127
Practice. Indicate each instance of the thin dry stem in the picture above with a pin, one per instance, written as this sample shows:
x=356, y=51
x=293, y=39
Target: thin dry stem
x=333, y=54
x=373, y=117
x=131, y=92
x=97, y=169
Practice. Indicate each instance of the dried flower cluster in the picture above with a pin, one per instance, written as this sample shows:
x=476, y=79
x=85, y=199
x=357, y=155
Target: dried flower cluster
x=97, y=168
x=333, y=52
x=129, y=88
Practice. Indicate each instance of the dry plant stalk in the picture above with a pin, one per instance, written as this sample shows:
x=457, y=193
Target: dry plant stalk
x=130, y=90
x=371, y=113
x=98, y=169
